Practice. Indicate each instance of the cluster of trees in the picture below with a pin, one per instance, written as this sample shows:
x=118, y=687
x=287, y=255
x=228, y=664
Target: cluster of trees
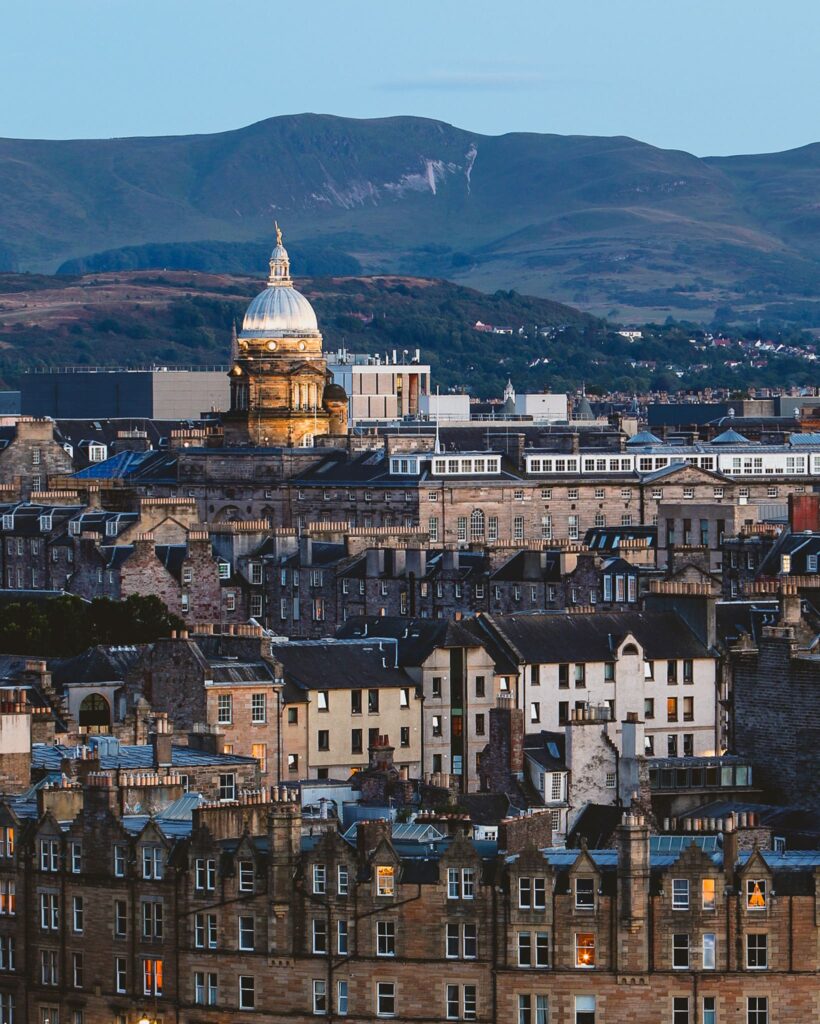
x=65, y=626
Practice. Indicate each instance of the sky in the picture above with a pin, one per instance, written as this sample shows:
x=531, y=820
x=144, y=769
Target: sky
x=713, y=78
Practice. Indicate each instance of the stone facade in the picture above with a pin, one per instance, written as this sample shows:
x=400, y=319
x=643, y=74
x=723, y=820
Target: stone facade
x=775, y=709
x=239, y=917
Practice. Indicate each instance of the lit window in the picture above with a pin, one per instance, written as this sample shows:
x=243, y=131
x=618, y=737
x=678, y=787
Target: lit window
x=584, y=949
x=385, y=880
x=756, y=893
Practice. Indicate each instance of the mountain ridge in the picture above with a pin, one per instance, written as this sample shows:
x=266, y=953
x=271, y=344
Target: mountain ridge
x=607, y=223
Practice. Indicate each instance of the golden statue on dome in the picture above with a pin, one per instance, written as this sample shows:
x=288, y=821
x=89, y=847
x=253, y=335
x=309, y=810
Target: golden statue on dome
x=278, y=233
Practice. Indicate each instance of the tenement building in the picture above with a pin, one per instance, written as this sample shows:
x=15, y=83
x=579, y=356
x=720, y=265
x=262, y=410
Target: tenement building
x=231, y=912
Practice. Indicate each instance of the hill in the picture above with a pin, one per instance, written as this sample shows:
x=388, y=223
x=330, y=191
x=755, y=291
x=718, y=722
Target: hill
x=611, y=225
x=131, y=318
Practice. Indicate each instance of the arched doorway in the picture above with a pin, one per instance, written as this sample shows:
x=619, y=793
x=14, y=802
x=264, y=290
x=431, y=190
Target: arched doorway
x=95, y=714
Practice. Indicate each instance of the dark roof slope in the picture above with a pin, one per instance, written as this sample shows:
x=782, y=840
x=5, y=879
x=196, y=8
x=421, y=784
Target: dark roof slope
x=339, y=665
x=548, y=637
x=416, y=638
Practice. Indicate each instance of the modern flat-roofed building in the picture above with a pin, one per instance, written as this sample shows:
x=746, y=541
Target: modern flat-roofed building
x=379, y=389
x=159, y=392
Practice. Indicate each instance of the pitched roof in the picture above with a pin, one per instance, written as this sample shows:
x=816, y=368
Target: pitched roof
x=339, y=664
x=549, y=637
x=416, y=638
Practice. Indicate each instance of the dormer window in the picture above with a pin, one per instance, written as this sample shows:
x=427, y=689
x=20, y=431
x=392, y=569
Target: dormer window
x=8, y=522
x=73, y=527
x=756, y=893
x=584, y=894
x=385, y=880
x=111, y=527
x=152, y=862
x=46, y=523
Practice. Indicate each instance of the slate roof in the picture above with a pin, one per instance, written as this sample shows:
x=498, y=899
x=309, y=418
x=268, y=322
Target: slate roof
x=339, y=664
x=547, y=749
x=526, y=567
x=549, y=637
x=98, y=664
x=799, y=546
x=48, y=757
x=416, y=638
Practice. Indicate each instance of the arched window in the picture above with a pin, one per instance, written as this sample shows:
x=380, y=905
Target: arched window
x=630, y=649
x=95, y=714
x=477, y=525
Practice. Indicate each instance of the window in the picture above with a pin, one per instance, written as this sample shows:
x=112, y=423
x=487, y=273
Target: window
x=688, y=709
x=385, y=880
x=224, y=709
x=461, y=1004
x=322, y=700
x=247, y=876
x=247, y=939
x=535, y=711
x=436, y=686
x=293, y=762
x=247, y=992
x=372, y=702
x=324, y=739
x=49, y=855
x=756, y=893
x=757, y=1010
x=585, y=1010
x=404, y=736
x=708, y=893
x=385, y=999
x=584, y=893
x=584, y=949
x=205, y=874
x=518, y=528
x=680, y=1010
x=341, y=998
x=152, y=919
x=680, y=951
x=49, y=911
x=671, y=709
x=319, y=935
x=437, y=726
x=356, y=741
x=152, y=977
x=319, y=996
x=757, y=951
x=580, y=676
x=120, y=974
x=341, y=938
x=77, y=914
x=259, y=712
x=688, y=671
x=524, y=949
x=75, y=855
x=385, y=938
x=709, y=949
x=7, y=950
x=227, y=786
x=709, y=1010
x=680, y=893
x=342, y=880
x=649, y=707
x=319, y=879
x=77, y=970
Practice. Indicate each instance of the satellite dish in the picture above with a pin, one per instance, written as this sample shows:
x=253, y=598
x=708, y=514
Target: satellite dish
x=732, y=413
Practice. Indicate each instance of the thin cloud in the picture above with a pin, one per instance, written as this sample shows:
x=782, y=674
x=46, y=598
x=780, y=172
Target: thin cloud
x=467, y=81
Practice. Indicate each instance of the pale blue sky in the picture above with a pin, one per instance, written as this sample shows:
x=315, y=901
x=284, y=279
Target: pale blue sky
x=709, y=76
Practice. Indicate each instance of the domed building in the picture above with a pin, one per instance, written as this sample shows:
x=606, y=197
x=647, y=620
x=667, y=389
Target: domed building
x=281, y=391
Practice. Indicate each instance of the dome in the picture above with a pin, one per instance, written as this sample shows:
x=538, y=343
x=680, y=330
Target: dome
x=279, y=309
